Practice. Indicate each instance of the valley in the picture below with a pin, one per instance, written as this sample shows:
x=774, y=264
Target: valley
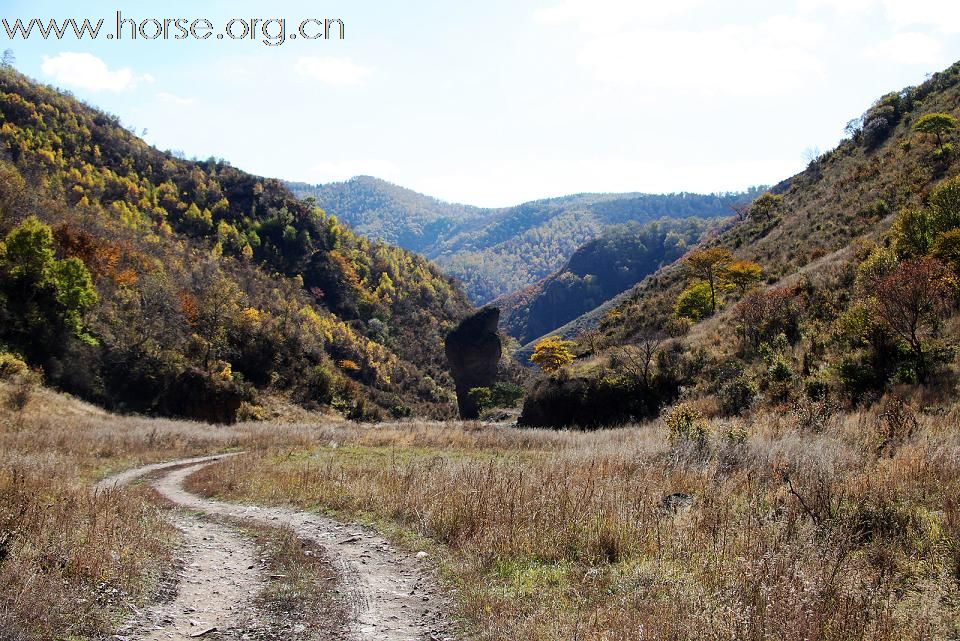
x=496, y=252
x=233, y=407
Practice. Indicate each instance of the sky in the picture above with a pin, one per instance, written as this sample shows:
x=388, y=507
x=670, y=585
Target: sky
x=499, y=102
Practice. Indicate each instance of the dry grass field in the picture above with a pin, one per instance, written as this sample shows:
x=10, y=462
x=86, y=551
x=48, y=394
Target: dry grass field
x=72, y=562
x=843, y=527
x=846, y=529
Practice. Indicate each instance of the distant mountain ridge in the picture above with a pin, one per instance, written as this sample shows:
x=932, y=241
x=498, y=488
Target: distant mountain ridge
x=599, y=270
x=498, y=251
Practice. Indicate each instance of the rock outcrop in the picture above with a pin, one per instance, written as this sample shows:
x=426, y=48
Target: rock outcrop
x=473, y=353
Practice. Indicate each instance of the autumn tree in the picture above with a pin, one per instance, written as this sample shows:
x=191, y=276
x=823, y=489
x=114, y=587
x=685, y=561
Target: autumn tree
x=947, y=249
x=937, y=124
x=912, y=300
x=12, y=188
x=552, y=353
x=764, y=205
x=710, y=266
x=761, y=316
x=743, y=275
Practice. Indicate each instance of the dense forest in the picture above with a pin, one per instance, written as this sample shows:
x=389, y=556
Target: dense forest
x=621, y=257
x=494, y=252
x=150, y=283
x=833, y=288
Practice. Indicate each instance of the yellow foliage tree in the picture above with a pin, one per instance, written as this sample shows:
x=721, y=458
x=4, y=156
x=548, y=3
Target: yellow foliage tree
x=552, y=353
x=710, y=266
x=743, y=275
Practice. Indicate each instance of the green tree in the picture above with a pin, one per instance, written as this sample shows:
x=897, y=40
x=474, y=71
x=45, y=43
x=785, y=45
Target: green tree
x=43, y=299
x=694, y=302
x=913, y=232
x=198, y=222
x=945, y=202
x=937, y=124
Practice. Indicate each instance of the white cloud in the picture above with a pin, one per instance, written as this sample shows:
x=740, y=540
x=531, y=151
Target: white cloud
x=908, y=48
x=332, y=71
x=174, y=99
x=87, y=71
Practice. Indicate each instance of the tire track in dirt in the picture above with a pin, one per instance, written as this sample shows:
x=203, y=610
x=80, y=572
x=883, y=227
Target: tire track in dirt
x=392, y=595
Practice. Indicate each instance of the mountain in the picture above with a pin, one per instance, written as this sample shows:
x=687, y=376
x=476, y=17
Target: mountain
x=378, y=209
x=596, y=272
x=494, y=252
x=857, y=297
x=150, y=283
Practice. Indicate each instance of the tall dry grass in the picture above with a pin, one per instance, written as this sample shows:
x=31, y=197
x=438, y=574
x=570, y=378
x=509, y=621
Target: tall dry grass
x=792, y=534
x=71, y=561
x=848, y=528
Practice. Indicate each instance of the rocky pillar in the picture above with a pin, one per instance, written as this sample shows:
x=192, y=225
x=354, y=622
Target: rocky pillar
x=473, y=353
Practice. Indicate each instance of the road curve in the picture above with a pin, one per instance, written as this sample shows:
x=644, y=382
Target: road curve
x=393, y=596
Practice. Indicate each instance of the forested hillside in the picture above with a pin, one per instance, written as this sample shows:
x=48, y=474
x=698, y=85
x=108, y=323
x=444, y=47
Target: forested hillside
x=834, y=288
x=598, y=271
x=378, y=209
x=494, y=252
x=150, y=283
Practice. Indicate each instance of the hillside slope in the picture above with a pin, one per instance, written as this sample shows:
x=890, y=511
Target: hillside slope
x=621, y=257
x=203, y=277
x=494, y=252
x=863, y=231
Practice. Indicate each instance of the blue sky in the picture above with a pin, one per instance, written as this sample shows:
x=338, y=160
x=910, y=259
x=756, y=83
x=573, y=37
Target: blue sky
x=497, y=102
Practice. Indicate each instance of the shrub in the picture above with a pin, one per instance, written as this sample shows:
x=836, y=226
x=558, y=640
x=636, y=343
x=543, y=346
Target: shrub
x=816, y=389
x=11, y=366
x=695, y=302
x=506, y=395
x=687, y=426
x=482, y=397
x=250, y=412
x=20, y=394
x=814, y=415
x=319, y=385
x=780, y=371
x=735, y=392
x=895, y=424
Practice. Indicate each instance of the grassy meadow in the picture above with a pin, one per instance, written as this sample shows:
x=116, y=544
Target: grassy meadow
x=846, y=529
x=843, y=527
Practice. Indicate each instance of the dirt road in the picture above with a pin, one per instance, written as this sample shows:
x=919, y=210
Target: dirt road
x=392, y=595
